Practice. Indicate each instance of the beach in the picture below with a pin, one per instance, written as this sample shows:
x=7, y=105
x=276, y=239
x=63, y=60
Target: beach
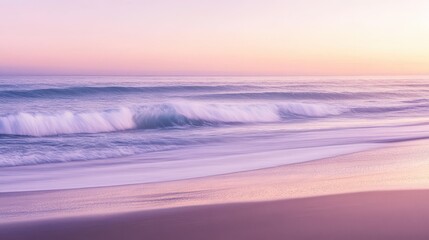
x=214, y=120
x=371, y=215
x=375, y=194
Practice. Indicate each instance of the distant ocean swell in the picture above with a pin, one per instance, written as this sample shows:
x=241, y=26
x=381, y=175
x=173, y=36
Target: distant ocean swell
x=82, y=91
x=298, y=95
x=157, y=116
x=210, y=92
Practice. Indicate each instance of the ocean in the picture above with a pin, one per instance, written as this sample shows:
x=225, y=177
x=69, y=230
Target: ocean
x=64, y=132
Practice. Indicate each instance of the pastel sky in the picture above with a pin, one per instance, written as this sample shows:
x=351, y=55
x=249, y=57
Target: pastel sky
x=221, y=37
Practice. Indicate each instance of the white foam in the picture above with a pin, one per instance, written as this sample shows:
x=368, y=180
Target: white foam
x=187, y=164
x=38, y=124
x=155, y=116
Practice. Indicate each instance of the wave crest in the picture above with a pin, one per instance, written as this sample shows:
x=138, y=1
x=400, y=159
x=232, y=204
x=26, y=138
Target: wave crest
x=156, y=116
x=42, y=124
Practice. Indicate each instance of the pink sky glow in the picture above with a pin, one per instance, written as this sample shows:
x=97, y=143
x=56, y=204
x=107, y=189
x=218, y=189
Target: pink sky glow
x=168, y=37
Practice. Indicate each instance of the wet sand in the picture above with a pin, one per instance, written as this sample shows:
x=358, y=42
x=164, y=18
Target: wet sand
x=370, y=215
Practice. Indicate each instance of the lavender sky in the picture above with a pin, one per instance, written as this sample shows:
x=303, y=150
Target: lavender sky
x=217, y=37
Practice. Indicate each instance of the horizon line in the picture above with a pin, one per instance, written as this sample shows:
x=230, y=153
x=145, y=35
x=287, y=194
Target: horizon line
x=212, y=75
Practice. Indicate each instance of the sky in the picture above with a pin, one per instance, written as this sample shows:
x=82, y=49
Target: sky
x=214, y=37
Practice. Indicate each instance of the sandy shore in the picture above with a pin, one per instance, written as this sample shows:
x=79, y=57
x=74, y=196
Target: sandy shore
x=351, y=195
x=372, y=215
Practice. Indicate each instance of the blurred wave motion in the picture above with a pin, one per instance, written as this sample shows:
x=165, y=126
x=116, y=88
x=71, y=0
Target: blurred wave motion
x=147, y=129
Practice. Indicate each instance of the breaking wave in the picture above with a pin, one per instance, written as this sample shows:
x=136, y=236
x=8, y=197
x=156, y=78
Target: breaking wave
x=157, y=116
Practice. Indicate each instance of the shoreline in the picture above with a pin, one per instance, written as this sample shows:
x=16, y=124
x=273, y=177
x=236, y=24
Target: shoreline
x=394, y=173
x=396, y=167
x=108, y=173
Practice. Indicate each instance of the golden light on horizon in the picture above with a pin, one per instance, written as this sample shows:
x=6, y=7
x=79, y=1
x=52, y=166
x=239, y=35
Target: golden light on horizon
x=197, y=37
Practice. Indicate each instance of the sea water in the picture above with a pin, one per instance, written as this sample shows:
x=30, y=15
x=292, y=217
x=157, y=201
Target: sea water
x=61, y=132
